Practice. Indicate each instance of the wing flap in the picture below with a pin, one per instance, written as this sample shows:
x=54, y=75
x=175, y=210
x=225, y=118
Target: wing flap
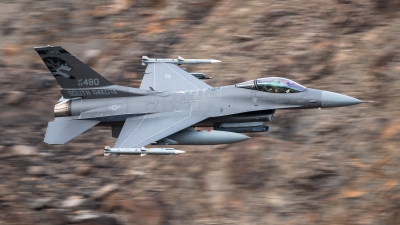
x=170, y=77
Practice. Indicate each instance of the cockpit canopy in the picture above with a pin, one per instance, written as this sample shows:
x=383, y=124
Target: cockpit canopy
x=273, y=85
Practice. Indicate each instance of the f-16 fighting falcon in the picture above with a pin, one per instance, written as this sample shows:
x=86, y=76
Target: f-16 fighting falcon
x=169, y=103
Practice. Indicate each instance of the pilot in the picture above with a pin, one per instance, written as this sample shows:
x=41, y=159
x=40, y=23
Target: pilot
x=277, y=86
x=268, y=88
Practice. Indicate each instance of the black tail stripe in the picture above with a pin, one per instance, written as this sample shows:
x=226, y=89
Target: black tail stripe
x=51, y=52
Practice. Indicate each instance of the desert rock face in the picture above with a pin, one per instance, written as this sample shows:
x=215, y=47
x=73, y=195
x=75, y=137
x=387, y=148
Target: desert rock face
x=329, y=166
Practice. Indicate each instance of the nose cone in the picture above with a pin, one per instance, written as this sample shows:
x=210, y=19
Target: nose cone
x=242, y=137
x=332, y=99
x=177, y=152
x=231, y=137
x=214, y=61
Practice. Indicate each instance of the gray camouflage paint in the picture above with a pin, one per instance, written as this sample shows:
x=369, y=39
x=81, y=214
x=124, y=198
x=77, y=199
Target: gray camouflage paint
x=168, y=97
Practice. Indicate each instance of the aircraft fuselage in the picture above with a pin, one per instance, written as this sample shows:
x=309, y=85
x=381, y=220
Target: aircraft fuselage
x=211, y=102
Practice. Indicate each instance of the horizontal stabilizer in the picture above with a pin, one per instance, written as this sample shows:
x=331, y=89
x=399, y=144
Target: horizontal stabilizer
x=61, y=131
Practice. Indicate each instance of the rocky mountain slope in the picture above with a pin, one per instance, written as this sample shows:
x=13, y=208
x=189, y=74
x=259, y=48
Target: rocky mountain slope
x=329, y=166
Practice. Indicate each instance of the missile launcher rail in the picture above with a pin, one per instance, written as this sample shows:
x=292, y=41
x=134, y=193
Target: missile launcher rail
x=180, y=60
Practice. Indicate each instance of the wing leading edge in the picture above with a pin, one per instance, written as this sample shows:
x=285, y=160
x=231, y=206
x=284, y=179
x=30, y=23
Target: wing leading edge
x=143, y=130
x=170, y=77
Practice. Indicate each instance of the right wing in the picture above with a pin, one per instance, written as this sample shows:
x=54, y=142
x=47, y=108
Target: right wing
x=170, y=77
x=143, y=130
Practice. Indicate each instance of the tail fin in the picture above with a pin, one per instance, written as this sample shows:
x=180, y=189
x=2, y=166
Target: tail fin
x=69, y=71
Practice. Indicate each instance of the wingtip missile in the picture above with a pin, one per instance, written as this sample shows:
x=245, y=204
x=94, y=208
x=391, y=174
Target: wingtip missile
x=180, y=60
x=141, y=151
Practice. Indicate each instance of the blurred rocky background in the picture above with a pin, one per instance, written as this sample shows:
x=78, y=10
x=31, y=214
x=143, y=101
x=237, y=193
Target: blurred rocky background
x=329, y=166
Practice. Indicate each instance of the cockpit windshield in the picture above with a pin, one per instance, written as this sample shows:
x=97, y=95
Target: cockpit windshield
x=273, y=85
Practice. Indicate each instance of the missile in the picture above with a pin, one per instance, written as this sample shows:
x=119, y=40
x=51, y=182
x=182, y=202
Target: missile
x=141, y=151
x=180, y=60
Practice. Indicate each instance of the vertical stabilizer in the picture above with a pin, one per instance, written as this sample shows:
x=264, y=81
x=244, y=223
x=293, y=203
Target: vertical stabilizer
x=69, y=71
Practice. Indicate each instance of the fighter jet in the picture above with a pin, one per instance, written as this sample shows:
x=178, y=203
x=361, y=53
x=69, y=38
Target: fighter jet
x=169, y=103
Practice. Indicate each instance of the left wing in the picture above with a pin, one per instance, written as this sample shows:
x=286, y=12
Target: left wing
x=143, y=130
x=169, y=77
